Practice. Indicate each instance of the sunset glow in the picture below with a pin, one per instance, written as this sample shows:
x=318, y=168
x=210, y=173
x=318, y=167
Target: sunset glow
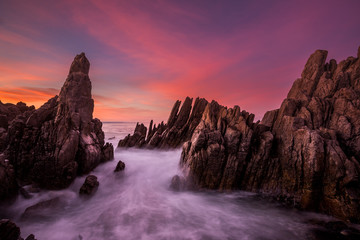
x=144, y=55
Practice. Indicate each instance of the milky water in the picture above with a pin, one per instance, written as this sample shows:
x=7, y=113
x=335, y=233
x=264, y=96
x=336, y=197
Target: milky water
x=138, y=204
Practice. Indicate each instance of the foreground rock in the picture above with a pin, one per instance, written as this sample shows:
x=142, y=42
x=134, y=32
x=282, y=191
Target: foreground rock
x=50, y=146
x=9, y=231
x=90, y=185
x=120, y=166
x=178, y=129
x=307, y=152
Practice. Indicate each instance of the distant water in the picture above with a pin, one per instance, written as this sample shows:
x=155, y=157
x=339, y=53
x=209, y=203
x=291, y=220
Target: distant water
x=138, y=204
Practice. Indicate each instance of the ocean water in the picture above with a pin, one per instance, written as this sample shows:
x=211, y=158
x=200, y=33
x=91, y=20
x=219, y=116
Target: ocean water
x=138, y=204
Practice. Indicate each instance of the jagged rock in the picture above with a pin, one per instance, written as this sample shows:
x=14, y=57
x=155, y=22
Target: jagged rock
x=306, y=152
x=9, y=230
x=9, y=111
x=120, y=166
x=179, y=128
x=135, y=140
x=90, y=185
x=51, y=145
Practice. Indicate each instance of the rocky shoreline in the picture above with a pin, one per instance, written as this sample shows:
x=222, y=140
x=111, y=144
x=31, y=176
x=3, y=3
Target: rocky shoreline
x=48, y=147
x=306, y=152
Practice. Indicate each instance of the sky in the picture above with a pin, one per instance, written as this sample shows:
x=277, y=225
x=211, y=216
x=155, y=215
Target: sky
x=146, y=54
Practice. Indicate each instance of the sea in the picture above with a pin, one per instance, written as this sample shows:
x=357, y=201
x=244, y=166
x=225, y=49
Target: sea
x=138, y=204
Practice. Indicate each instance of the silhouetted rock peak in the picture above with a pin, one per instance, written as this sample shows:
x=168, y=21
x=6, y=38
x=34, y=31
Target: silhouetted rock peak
x=80, y=64
x=75, y=95
x=51, y=145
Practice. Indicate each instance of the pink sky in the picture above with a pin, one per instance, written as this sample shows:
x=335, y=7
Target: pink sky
x=146, y=54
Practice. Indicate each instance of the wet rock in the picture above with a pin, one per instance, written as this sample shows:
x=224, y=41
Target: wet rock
x=177, y=183
x=332, y=230
x=9, y=230
x=90, y=185
x=42, y=210
x=50, y=146
x=120, y=166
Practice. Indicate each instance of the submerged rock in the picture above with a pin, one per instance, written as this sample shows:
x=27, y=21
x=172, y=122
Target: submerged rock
x=177, y=183
x=50, y=146
x=42, y=209
x=90, y=185
x=120, y=166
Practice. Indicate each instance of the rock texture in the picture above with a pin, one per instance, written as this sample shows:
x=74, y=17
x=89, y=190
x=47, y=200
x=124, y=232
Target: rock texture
x=90, y=185
x=50, y=146
x=178, y=129
x=307, y=152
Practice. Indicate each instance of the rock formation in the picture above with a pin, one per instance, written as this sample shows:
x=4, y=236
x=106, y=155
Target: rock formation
x=50, y=146
x=9, y=231
x=307, y=152
x=120, y=166
x=179, y=128
x=90, y=185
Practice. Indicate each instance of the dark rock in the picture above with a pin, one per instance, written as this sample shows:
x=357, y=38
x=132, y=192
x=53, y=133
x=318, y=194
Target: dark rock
x=30, y=237
x=8, y=185
x=135, y=140
x=25, y=193
x=179, y=128
x=90, y=185
x=3, y=121
x=51, y=145
x=42, y=210
x=120, y=166
x=177, y=183
x=174, y=113
x=307, y=151
x=9, y=230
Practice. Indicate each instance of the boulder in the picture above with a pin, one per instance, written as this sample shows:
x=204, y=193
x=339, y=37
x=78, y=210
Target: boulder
x=90, y=185
x=120, y=166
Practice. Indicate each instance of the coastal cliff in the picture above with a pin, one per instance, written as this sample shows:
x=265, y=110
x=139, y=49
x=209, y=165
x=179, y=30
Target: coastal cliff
x=306, y=152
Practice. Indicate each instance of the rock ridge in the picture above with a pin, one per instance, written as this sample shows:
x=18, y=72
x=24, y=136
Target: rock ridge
x=306, y=152
x=178, y=129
